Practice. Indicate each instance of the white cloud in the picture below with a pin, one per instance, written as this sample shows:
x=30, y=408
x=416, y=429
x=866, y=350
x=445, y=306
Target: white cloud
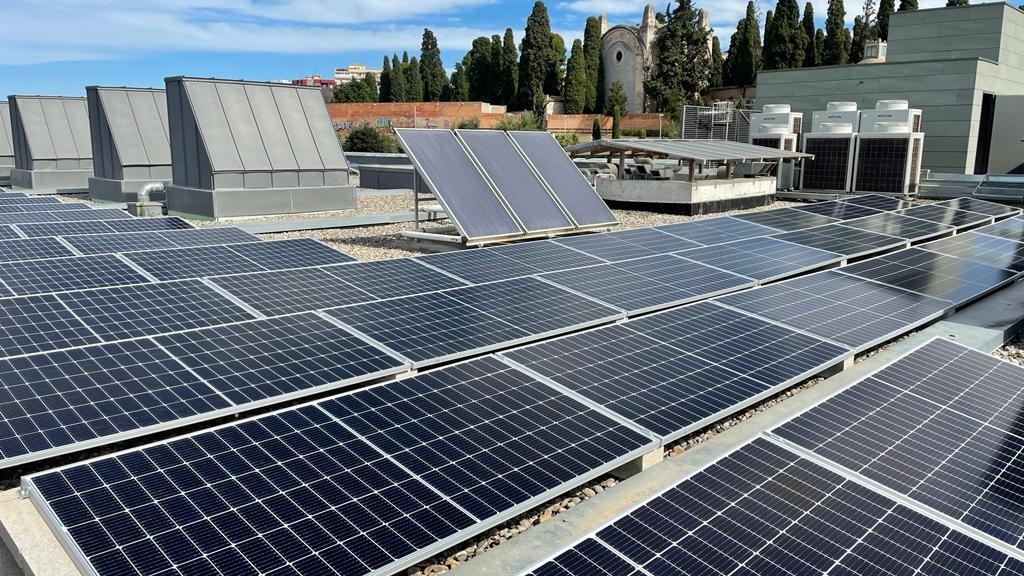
x=635, y=8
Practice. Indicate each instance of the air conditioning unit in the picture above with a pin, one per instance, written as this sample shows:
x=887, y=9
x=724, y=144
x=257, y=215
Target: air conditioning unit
x=775, y=114
x=888, y=159
x=831, y=170
x=777, y=127
x=898, y=111
x=836, y=113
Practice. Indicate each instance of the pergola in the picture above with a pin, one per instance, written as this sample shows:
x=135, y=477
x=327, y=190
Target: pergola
x=690, y=151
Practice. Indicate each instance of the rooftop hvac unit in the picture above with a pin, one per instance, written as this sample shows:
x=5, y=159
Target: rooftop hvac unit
x=889, y=111
x=779, y=137
x=888, y=159
x=832, y=167
x=836, y=113
x=776, y=114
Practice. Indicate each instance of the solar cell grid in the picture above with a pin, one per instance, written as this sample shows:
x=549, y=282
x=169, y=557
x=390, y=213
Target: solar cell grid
x=184, y=238
x=97, y=215
x=147, y=224
x=981, y=207
x=289, y=291
x=1010, y=229
x=485, y=435
x=63, y=274
x=290, y=491
x=545, y=256
x=8, y=232
x=195, y=262
x=606, y=247
x=155, y=308
x=947, y=215
x=290, y=253
x=115, y=242
x=65, y=228
x=849, y=242
x=383, y=279
x=762, y=259
x=876, y=201
x=32, y=249
x=838, y=210
x=717, y=230
x=892, y=224
x=21, y=208
x=37, y=323
x=11, y=199
x=844, y=309
x=991, y=250
x=509, y=261
x=786, y=219
x=653, y=239
x=940, y=426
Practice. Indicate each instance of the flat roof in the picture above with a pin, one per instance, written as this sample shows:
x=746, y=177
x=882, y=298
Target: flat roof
x=696, y=150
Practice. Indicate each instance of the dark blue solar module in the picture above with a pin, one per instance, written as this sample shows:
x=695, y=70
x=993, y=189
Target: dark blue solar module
x=8, y=232
x=654, y=239
x=487, y=436
x=841, y=308
x=277, y=357
x=155, y=308
x=290, y=253
x=649, y=283
x=765, y=510
x=762, y=259
x=66, y=228
x=786, y=219
x=717, y=230
x=393, y=278
x=63, y=274
x=114, y=242
x=1011, y=229
x=37, y=323
x=32, y=249
x=184, y=238
x=288, y=291
x=20, y=199
x=991, y=250
x=876, y=201
x=63, y=216
x=148, y=224
x=56, y=401
x=892, y=224
x=932, y=274
x=290, y=492
x=675, y=371
x=21, y=207
x=849, y=242
x=947, y=215
x=195, y=262
x=940, y=425
x=440, y=326
x=607, y=247
x=838, y=210
x=509, y=261
x=981, y=207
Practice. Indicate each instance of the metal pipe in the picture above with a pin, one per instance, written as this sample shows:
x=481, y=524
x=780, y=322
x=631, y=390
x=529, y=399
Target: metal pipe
x=142, y=196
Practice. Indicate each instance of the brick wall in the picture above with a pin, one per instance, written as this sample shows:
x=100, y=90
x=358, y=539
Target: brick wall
x=403, y=114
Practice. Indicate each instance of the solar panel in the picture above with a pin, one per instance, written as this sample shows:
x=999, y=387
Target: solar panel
x=606, y=247
x=650, y=283
x=786, y=219
x=148, y=224
x=830, y=167
x=991, y=250
x=486, y=436
x=19, y=199
x=764, y=510
x=466, y=196
x=1011, y=229
x=940, y=425
x=32, y=249
x=290, y=253
x=288, y=291
x=877, y=201
x=155, y=308
x=508, y=261
x=935, y=275
x=195, y=262
x=654, y=239
x=293, y=490
x=717, y=230
x=37, y=323
x=849, y=242
x=524, y=192
x=65, y=228
x=278, y=357
x=564, y=178
x=383, y=279
x=63, y=274
x=98, y=214
x=39, y=208
x=854, y=312
x=979, y=206
x=65, y=400
x=116, y=242
x=441, y=326
x=8, y=232
x=675, y=371
x=184, y=238
x=946, y=215
x=762, y=259
x=892, y=224
x=838, y=210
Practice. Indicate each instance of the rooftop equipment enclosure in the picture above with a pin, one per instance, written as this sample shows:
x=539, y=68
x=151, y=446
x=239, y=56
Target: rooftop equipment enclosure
x=52, y=148
x=249, y=148
x=6, y=142
x=130, y=140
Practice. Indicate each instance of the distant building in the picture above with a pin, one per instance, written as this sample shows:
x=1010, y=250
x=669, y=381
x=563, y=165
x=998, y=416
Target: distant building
x=962, y=66
x=326, y=86
x=354, y=72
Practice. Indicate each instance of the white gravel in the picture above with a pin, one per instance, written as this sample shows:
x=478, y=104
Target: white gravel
x=1013, y=350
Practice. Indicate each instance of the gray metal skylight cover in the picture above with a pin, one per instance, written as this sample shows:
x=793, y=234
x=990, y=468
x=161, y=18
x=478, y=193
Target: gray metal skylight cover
x=130, y=133
x=50, y=133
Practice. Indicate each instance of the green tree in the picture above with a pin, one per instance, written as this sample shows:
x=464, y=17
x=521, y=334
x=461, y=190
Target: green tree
x=885, y=10
x=595, y=131
x=459, y=85
x=744, y=51
x=788, y=40
x=616, y=123
x=525, y=121
x=684, y=61
x=769, y=26
x=366, y=138
x=592, y=56
x=555, y=80
x=860, y=37
x=413, y=81
x=575, y=91
x=481, y=70
x=495, y=91
x=432, y=71
x=907, y=5
x=835, y=51
x=951, y=3
x=397, y=81
x=717, y=63
x=372, y=91
x=534, y=60
x=811, y=56
x=385, y=81
x=508, y=86
x=819, y=44
x=616, y=99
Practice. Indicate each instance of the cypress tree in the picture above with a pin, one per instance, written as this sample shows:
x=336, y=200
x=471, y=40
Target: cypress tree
x=616, y=122
x=907, y=5
x=592, y=57
x=717, y=63
x=859, y=40
x=684, y=61
x=835, y=35
x=575, y=91
x=885, y=10
x=480, y=69
x=495, y=92
x=431, y=69
x=769, y=18
x=509, y=70
x=819, y=44
x=617, y=99
x=534, y=59
x=460, y=83
x=372, y=91
x=811, y=56
x=385, y=81
x=951, y=3
x=556, y=66
x=788, y=40
x=595, y=131
x=398, y=93
x=413, y=81
x=744, y=51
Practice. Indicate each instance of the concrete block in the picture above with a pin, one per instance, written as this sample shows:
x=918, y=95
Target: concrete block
x=51, y=179
x=105, y=190
x=645, y=462
x=214, y=204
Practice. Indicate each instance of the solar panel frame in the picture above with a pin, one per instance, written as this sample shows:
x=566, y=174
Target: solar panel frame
x=877, y=201
x=508, y=261
x=33, y=249
x=838, y=210
x=9, y=233
x=959, y=219
x=977, y=205
x=290, y=253
x=786, y=219
x=764, y=259
x=64, y=274
x=717, y=230
x=1010, y=229
x=983, y=248
x=913, y=230
x=280, y=292
x=850, y=242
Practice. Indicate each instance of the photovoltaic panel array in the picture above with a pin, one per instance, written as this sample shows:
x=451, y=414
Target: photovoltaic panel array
x=958, y=219
x=998, y=211
x=12, y=199
x=63, y=216
x=787, y=219
x=63, y=274
x=112, y=243
x=765, y=510
x=763, y=259
x=849, y=242
x=8, y=232
x=202, y=261
x=612, y=249
x=893, y=224
x=102, y=227
x=976, y=247
x=877, y=201
x=1011, y=229
x=509, y=261
x=838, y=210
x=40, y=208
x=717, y=230
x=940, y=426
x=364, y=482
x=32, y=249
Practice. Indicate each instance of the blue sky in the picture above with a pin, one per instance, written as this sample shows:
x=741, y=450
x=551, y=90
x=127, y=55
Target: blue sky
x=60, y=46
